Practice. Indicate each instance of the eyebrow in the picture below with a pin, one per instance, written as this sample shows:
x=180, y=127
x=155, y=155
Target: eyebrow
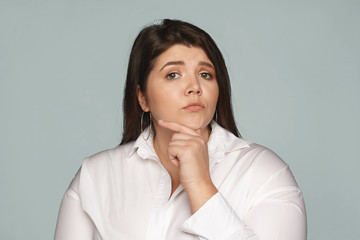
x=201, y=63
x=172, y=63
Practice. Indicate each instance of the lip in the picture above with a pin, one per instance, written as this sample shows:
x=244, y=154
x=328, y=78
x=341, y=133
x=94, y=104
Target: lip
x=194, y=107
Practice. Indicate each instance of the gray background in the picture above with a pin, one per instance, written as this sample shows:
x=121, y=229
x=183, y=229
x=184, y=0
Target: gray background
x=295, y=72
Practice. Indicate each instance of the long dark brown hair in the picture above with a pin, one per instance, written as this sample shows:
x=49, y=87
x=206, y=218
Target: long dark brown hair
x=149, y=44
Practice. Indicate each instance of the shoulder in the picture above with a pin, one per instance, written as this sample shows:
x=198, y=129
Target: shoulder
x=267, y=170
x=264, y=158
x=254, y=159
x=243, y=150
x=249, y=156
x=107, y=158
x=97, y=171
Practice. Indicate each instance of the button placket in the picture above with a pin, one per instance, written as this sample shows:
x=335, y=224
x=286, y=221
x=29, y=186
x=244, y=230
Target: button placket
x=159, y=213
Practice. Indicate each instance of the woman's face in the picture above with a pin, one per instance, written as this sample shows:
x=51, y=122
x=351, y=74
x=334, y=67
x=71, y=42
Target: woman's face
x=181, y=88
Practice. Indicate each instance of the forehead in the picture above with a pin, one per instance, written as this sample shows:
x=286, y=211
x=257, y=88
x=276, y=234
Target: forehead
x=180, y=52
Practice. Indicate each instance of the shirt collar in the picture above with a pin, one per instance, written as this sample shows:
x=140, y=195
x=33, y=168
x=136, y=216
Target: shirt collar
x=221, y=142
x=144, y=145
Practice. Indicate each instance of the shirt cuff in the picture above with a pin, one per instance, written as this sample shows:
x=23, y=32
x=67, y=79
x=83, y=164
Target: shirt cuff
x=214, y=220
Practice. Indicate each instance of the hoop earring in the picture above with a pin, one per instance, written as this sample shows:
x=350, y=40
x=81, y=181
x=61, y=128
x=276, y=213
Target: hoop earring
x=150, y=123
x=141, y=124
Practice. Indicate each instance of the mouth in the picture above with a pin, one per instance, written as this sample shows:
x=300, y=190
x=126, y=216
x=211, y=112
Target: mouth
x=194, y=107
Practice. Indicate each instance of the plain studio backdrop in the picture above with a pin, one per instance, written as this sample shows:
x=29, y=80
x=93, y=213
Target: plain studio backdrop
x=295, y=73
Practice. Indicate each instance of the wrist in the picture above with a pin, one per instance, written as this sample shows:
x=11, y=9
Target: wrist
x=199, y=194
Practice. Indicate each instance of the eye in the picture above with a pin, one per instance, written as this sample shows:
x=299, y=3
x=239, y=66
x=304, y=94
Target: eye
x=206, y=75
x=173, y=76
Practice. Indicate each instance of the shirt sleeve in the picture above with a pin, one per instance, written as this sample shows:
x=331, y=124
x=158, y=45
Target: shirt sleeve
x=275, y=209
x=73, y=223
x=217, y=220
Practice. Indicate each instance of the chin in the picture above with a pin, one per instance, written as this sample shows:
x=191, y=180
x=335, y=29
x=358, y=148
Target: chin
x=196, y=124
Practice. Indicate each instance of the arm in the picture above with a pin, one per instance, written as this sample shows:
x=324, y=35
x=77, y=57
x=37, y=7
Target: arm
x=73, y=223
x=275, y=209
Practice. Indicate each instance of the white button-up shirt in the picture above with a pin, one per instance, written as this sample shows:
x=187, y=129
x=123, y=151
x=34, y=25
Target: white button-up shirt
x=125, y=194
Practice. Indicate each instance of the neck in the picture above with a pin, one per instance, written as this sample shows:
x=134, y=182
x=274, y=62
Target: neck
x=161, y=142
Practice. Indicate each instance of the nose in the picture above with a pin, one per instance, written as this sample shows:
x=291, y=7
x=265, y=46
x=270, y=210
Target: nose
x=193, y=87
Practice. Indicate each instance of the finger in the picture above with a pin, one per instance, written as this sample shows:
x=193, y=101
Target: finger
x=176, y=162
x=179, y=143
x=184, y=136
x=198, y=130
x=182, y=142
x=173, y=155
x=176, y=127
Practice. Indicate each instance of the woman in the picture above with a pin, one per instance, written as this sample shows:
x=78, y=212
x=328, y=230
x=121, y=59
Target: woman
x=181, y=170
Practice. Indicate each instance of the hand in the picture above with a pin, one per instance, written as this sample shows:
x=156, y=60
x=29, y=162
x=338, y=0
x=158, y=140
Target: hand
x=188, y=150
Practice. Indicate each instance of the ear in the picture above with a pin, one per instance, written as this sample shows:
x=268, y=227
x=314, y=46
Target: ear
x=142, y=99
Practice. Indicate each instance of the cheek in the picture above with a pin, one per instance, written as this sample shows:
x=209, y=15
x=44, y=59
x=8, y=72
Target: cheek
x=216, y=93
x=155, y=97
x=213, y=94
x=160, y=101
